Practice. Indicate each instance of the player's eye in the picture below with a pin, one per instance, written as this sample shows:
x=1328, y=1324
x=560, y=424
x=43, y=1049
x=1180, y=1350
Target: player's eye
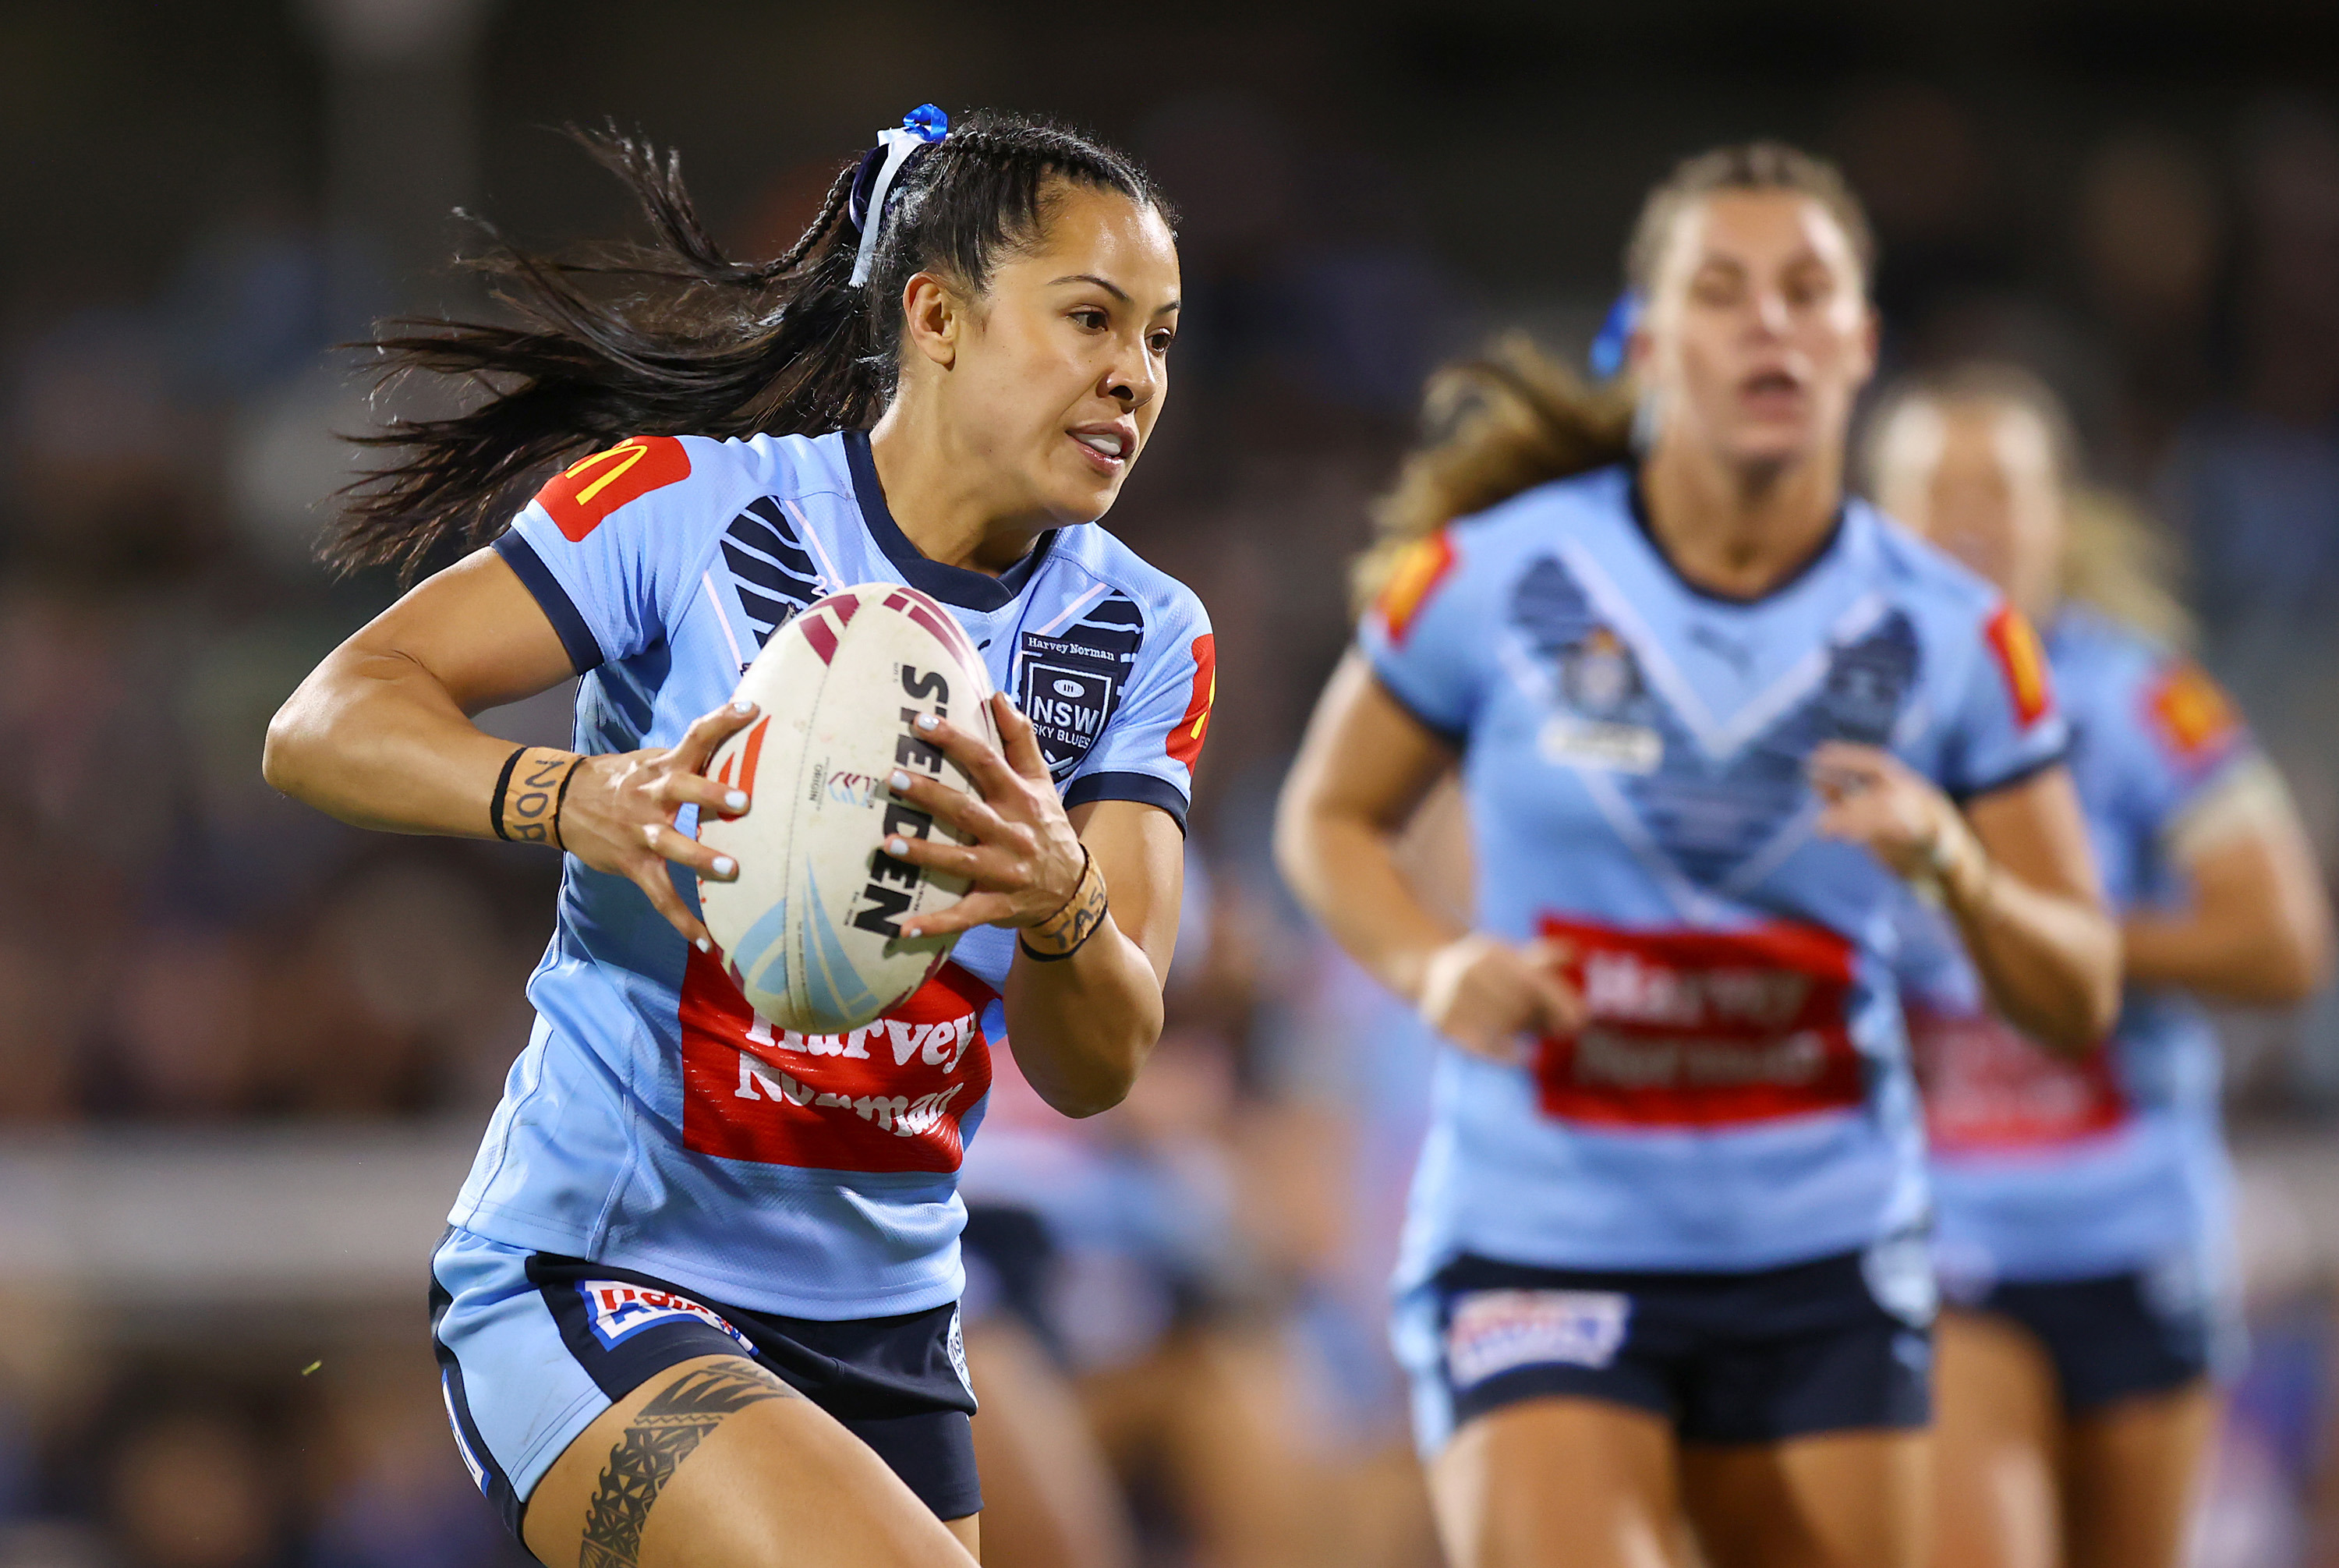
x=1161, y=341
x=1090, y=318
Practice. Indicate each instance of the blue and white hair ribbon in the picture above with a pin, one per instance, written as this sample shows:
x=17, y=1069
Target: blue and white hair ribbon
x=1616, y=336
x=921, y=128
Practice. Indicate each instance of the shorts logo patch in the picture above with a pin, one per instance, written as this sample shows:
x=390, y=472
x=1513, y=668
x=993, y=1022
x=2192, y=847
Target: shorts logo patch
x=1498, y=1331
x=616, y=1310
x=580, y=497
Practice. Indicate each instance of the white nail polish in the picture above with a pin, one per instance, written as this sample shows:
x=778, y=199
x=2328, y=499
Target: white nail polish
x=737, y=800
x=743, y=707
x=928, y=722
x=900, y=780
x=894, y=846
x=704, y=945
x=724, y=865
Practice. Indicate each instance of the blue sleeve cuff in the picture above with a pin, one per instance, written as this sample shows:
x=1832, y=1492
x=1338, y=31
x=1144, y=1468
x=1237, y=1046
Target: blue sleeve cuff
x=584, y=648
x=2020, y=776
x=1144, y=788
x=1455, y=740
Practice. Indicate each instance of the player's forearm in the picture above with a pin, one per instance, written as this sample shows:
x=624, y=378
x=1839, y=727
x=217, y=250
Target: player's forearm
x=1343, y=868
x=2050, y=963
x=375, y=740
x=1082, y=1026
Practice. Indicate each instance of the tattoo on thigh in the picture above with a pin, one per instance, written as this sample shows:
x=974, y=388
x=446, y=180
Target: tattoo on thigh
x=660, y=1437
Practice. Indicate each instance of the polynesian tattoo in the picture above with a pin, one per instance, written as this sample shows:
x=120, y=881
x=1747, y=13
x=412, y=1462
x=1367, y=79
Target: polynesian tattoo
x=660, y=1437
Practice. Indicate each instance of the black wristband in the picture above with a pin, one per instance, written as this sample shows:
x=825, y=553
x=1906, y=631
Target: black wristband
x=496, y=801
x=559, y=840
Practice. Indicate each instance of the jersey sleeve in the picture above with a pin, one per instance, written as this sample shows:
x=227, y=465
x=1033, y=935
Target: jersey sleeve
x=608, y=546
x=2185, y=740
x=1423, y=640
x=1155, y=735
x=2004, y=725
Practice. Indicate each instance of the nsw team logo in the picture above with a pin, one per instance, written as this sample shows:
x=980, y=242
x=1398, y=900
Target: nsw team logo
x=618, y=1309
x=1068, y=692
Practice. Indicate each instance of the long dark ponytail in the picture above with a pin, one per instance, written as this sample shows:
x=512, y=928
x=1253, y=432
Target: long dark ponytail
x=674, y=338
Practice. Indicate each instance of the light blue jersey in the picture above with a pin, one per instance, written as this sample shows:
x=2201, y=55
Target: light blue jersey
x=655, y=1123
x=1633, y=751
x=2046, y=1169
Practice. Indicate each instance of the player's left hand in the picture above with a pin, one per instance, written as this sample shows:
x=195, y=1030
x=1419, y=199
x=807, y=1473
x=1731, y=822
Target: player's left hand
x=1026, y=861
x=1875, y=800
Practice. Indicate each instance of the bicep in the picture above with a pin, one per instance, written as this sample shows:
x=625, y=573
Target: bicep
x=1363, y=755
x=475, y=629
x=1142, y=856
x=2036, y=830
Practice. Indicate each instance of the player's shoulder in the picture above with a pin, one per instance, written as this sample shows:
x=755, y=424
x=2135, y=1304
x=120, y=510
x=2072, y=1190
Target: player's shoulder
x=1589, y=505
x=1089, y=558
x=1916, y=569
x=679, y=481
x=2090, y=649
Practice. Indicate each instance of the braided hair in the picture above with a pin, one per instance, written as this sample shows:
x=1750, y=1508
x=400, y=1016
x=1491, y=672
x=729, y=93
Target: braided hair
x=674, y=338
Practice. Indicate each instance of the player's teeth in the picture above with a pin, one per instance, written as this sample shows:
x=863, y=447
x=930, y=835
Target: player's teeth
x=1109, y=445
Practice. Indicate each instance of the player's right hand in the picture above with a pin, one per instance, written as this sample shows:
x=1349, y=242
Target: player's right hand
x=1491, y=998
x=620, y=814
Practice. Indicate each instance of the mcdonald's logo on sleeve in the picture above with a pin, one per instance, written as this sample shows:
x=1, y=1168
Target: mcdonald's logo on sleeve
x=1185, y=741
x=1411, y=579
x=581, y=496
x=2023, y=661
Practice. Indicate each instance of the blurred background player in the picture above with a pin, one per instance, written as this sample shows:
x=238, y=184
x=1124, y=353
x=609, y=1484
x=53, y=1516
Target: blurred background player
x=680, y=1319
x=1709, y=714
x=2083, y=1206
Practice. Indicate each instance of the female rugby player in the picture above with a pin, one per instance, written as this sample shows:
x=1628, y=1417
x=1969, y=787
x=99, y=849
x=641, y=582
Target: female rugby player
x=1664, y=1250
x=2083, y=1210
x=698, y=1300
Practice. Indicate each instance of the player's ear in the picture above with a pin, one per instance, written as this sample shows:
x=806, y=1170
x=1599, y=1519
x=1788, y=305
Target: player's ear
x=934, y=319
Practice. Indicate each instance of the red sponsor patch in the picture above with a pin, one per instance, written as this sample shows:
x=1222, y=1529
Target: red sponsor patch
x=1989, y=1090
x=1418, y=570
x=2023, y=661
x=1702, y=1028
x=581, y=496
x=2190, y=713
x=1185, y=741
x=890, y=1097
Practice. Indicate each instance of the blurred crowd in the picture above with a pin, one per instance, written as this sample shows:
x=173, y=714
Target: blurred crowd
x=178, y=945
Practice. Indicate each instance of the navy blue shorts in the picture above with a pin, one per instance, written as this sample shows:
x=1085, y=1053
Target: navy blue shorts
x=2108, y=1338
x=1749, y=1358
x=532, y=1347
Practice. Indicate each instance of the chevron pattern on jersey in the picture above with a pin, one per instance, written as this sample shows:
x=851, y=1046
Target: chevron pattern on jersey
x=1710, y=815
x=770, y=567
x=1070, y=677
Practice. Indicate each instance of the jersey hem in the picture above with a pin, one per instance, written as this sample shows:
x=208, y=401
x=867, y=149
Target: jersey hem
x=1143, y=788
x=494, y=1222
x=576, y=637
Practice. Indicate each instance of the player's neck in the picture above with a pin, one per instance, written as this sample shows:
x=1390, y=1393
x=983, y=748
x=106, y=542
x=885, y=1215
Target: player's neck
x=943, y=498
x=1736, y=530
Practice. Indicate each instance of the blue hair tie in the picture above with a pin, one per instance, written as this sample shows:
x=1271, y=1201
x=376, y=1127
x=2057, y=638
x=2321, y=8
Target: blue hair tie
x=921, y=128
x=1616, y=335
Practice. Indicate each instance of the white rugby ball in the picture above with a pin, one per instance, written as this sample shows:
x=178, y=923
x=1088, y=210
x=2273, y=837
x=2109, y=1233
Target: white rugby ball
x=811, y=928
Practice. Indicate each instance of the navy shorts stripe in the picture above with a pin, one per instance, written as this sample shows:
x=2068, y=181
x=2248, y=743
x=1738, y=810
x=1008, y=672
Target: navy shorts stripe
x=477, y=1456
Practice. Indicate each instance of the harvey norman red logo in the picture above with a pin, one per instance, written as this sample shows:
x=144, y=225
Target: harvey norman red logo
x=1703, y=1027
x=890, y=1097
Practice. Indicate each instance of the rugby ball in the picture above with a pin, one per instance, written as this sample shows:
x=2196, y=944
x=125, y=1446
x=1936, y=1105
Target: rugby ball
x=811, y=929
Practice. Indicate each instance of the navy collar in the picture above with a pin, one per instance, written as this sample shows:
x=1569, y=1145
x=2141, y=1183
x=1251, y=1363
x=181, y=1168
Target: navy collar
x=1637, y=504
x=969, y=590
